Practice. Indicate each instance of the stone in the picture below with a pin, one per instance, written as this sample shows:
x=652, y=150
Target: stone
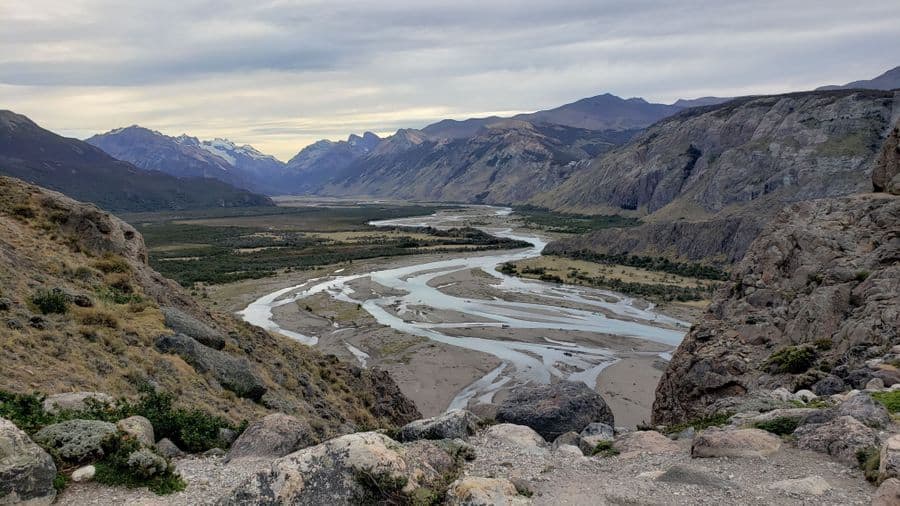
x=274, y=435
x=842, y=438
x=38, y=322
x=886, y=172
x=829, y=385
x=889, y=466
x=750, y=419
x=139, y=428
x=865, y=409
x=598, y=432
x=477, y=491
x=890, y=376
x=518, y=435
x=805, y=396
x=214, y=453
x=77, y=441
x=26, y=470
x=85, y=473
x=567, y=439
x=146, y=463
x=232, y=373
x=645, y=441
x=809, y=486
x=227, y=436
x=75, y=401
x=555, y=409
x=715, y=442
x=568, y=450
x=454, y=424
x=81, y=300
x=337, y=472
x=888, y=494
x=875, y=384
x=782, y=394
x=183, y=323
x=5, y=304
x=693, y=475
x=167, y=449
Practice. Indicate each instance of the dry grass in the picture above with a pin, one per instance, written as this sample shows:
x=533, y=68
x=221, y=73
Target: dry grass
x=561, y=266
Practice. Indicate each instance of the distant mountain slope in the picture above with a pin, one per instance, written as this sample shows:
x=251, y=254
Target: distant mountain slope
x=315, y=164
x=890, y=80
x=85, y=172
x=186, y=156
x=706, y=179
x=508, y=161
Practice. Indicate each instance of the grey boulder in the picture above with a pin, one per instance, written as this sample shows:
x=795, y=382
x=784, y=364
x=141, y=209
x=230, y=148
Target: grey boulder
x=843, y=438
x=26, y=470
x=183, y=323
x=75, y=401
x=77, y=441
x=454, y=424
x=275, y=435
x=552, y=410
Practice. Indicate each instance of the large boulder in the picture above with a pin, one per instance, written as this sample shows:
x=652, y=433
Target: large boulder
x=138, y=428
x=232, y=373
x=26, y=470
x=865, y=409
x=889, y=464
x=275, y=435
x=75, y=401
x=843, y=438
x=888, y=494
x=361, y=468
x=645, y=441
x=477, y=491
x=829, y=385
x=555, y=409
x=454, y=424
x=520, y=436
x=183, y=323
x=715, y=442
x=77, y=440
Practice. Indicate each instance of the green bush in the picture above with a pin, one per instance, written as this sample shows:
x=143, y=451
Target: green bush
x=869, y=460
x=116, y=469
x=25, y=411
x=792, y=359
x=700, y=423
x=891, y=400
x=781, y=426
x=50, y=301
x=604, y=449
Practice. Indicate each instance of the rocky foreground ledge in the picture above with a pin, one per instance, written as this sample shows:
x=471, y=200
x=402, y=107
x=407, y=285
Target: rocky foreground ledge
x=777, y=447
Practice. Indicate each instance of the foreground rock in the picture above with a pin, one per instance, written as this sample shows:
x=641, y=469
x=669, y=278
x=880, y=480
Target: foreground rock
x=183, y=323
x=138, y=428
x=864, y=409
x=844, y=437
x=886, y=175
x=525, y=438
x=645, y=441
x=77, y=440
x=804, y=487
x=275, y=435
x=474, y=491
x=555, y=409
x=75, y=401
x=889, y=463
x=454, y=424
x=823, y=271
x=734, y=443
x=26, y=470
x=888, y=494
x=352, y=469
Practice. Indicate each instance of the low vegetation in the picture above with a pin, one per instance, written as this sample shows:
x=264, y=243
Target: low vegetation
x=604, y=449
x=123, y=464
x=792, y=359
x=869, y=461
x=50, y=301
x=890, y=400
x=701, y=423
x=545, y=219
x=661, y=264
x=781, y=426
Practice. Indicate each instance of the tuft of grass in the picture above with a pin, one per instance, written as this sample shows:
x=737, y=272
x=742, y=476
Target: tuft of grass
x=792, y=359
x=60, y=482
x=50, y=301
x=701, y=423
x=99, y=318
x=869, y=461
x=112, y=263
x=604, y=449
x=890, y=400
x=782, y=426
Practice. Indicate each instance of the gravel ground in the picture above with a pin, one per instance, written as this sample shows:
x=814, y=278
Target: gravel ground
x=560, y=479
x=207, y=479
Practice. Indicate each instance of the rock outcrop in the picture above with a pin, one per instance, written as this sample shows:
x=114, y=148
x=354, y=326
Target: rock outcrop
x=815, y=296
x=454, y=424
x=886, y=174
x=275, y=435
x=555, y=409
x=26, y=470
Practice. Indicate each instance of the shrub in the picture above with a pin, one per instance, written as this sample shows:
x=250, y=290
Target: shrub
x=99, y=318
x=700, y=423
x=22, y=211
x=781, y=426
x=50, y=301
x=862, y=275
x=126, y=464
x=112, y=263
x=869, y=460
x=604, y=449
x=890, y=399
x=25, y=411
x=792, y=359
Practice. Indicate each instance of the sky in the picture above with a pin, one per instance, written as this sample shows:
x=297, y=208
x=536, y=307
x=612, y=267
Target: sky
x=282, y=74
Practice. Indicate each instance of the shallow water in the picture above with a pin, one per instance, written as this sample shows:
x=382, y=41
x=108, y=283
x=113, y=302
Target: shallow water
x=521, y=361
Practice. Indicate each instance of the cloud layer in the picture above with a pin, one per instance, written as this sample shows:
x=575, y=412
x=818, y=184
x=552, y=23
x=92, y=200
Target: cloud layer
x=281, y=74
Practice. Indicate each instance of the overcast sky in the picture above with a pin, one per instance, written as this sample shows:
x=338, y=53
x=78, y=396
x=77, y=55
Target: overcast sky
x=281, y=74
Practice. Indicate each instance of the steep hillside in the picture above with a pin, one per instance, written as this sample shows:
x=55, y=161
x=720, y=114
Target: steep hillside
x=185, y=156
x=890, y=80
x=813, y=304
x=82, y=311
x=315, y=164
x=507, y=161
x=722, y=171
x=82, y=171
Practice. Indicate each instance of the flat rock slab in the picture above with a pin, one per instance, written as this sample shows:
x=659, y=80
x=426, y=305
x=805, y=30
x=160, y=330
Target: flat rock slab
x=734, y=443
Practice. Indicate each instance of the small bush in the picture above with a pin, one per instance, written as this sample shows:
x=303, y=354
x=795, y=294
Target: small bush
x=112, y=263
x=700, y=423
x=22, y=211
x=120, y=467
x=381, y=488
x=604, y=449
x=99, y=318
x=60, y=482
x=792, y=359
x=50, y=301
x=891, y=400
x=869, y=460
x=781, y=426
x=823, y=344
x=25, y=411
x=862, y=276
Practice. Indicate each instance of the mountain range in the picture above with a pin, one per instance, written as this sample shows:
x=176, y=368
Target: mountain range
x=890, y=80
x=82, y=171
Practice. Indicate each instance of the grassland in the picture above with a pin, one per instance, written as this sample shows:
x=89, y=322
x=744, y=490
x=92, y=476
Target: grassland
x=653, y=285
x=240, y=244
x=565, y=223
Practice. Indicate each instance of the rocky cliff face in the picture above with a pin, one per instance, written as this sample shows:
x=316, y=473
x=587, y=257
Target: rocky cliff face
x=814, y=298
x=81, y=310
x=730, y=166
x=886, y=174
